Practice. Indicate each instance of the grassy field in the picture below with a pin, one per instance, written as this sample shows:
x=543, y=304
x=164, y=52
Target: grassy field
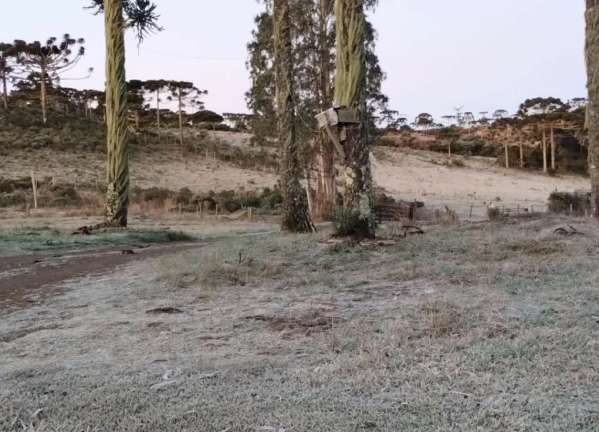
x=44, y=239
x=490, y=327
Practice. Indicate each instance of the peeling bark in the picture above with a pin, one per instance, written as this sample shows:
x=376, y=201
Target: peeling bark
x=295, y=216
x=592, y=121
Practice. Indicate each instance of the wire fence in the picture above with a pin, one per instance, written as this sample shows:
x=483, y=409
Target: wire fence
x=455, y=212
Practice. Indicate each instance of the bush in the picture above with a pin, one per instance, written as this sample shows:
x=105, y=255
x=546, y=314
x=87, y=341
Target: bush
x=64, y=196
x=576, y=203
x=14, y=199
x=154, y=194
x=184, y=197
x=494, y=214
x=349, y=223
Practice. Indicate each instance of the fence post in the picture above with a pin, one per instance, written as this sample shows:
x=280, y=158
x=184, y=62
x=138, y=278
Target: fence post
x=34, y=186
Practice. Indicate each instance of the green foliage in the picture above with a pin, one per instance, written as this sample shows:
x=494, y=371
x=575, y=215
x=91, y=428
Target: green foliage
x=309, y=57
x=348, y=222
x=495, y=214
x=45, y=239
x=206, y=116
x=576, y=203
x=542, y=105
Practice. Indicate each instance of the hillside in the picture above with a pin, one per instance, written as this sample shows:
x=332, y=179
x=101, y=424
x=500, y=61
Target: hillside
x=72, y=155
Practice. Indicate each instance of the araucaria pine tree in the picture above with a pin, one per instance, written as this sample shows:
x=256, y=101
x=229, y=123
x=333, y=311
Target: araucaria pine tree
x=592, y=60
x=48, y=61
x=186, y=95
x=140, y=15
x=8, y=64
x=350, y=93
x=295, y=216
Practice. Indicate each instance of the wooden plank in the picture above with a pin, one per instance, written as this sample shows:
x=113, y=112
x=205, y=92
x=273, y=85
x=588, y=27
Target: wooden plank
x=327, y=118
x=336, y=142
x=347, y=116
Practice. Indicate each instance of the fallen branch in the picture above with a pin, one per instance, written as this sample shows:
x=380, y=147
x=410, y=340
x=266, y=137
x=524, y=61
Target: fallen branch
x=568, y=231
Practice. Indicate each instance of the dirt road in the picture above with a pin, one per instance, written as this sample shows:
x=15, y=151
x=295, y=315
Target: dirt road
x=27, y=278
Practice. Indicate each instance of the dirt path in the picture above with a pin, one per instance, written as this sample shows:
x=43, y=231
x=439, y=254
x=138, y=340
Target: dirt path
x=24, y=279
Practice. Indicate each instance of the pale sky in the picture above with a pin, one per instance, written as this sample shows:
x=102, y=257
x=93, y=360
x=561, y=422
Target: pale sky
x=438, y=54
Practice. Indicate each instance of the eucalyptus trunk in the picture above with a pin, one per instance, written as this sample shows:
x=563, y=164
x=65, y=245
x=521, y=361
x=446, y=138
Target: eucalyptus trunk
x=350, y=92
x=326, y=188
x=592, y=61
x=295, y=216
x=117, y=165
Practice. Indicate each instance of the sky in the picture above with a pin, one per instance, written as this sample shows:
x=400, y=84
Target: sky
x=478, y=54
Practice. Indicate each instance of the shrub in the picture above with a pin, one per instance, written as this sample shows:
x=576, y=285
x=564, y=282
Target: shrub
x=577, y=203
x=349, y=223
x=184, y=197
x=64, y=196
x=494, y=214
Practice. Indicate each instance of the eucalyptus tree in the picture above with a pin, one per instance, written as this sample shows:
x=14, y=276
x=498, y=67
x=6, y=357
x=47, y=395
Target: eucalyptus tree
x=313, y=44
x=592, y=62
x=48, y=61
x=350, y=92
x=295, y=216
x=119, y=15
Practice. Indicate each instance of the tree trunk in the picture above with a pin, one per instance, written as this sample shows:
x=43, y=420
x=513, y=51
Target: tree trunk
x=592, y=62
x=4, y=92
x=180, y=117
x=350, y=93
x=553, y=149
x=43, y=98
x=158, y=113
x=117, y=166
x=545, y=164
x=295, y=213
x=326, y=187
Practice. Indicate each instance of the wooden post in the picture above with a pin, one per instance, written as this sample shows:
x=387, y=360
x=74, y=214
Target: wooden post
x=449, y=149
x=507, y=155
x=521, y=155
x=552, y=134
x=544, y=150
x=34, y=186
